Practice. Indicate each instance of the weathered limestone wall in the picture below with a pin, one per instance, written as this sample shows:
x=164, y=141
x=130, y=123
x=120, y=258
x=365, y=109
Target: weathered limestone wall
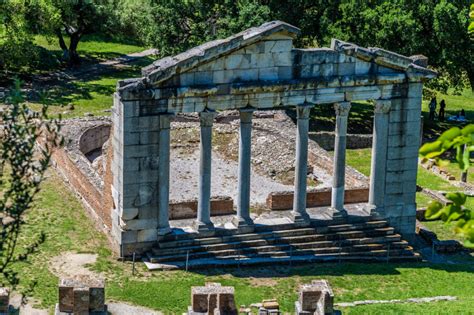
x=402, y=160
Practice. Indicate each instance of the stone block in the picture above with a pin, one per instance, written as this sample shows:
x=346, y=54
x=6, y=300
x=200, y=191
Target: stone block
x=66, y=294
x=81, y=301
x=4, y=300
x=212, y=299
x=278, y=46
x=149, y=235
x=96, y=295
x=203, y=77
x=281, y=59
x=315, y=298
x=269, y=74
x=285, y=73
x=346, y=68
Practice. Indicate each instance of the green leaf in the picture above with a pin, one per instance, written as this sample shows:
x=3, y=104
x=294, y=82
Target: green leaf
x=431, y=149
x=468, y=130
x=459, y=157
x=433, y=210
x=450, y=134
x=457, y=198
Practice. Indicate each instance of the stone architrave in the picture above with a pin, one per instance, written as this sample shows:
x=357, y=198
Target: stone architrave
x=339, y=168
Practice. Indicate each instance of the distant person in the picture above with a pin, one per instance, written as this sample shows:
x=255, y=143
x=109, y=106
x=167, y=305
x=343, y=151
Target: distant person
x=442, y=106
x=463, y=113
x=432, y=108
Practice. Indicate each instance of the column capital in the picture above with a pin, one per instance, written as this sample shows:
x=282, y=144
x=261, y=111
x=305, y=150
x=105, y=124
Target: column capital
x=303, y=110
x=246, y=115
x=382, y=106
x=342, y=108
x=207, y=118
x=165, y=120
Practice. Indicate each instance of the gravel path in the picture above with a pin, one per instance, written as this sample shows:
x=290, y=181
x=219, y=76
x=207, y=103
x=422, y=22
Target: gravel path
x=184, y=174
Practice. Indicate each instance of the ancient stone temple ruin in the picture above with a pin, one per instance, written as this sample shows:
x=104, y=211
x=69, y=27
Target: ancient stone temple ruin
x=253, y=71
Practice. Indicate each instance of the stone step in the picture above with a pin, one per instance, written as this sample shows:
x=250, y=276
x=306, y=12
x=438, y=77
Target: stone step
x=282, y=249
x=359, y=237
x=357, y=226
x=255, y=261
x=275, y=234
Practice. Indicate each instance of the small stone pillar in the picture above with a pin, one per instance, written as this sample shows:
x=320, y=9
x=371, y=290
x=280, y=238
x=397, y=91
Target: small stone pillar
x=4, y=300
x=164, y=175
x=203, y=222
x=316, y=298
x=243, y=220
x=212, y=299
x=299, y=213
x=82, y=295
x=339, y=170
x=379, y=156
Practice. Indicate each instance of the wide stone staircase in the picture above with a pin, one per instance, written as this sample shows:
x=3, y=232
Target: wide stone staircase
x=371, y=240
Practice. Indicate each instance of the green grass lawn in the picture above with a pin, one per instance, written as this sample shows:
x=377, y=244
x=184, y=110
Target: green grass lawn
x=91, y=46
x=360, y=160
x=92, y=94
x=58, y=213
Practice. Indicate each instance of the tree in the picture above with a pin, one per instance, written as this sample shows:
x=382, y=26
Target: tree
x=436, y=28
x=175, y=26
x=461, y=141
x=22, y=169
x=74, y=18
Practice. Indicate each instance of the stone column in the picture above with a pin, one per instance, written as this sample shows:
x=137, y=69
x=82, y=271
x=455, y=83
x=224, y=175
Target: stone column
x=339, y=170
x=164, y=175
x=379, y=156
x=203, y=222
x=299, y=213
x=243, y=220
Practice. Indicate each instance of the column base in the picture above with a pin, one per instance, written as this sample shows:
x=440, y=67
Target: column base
x=243, y=224
x=163, y=231
x=337, y=213
x=204, y=228
x=301, y=219
x=374, y=211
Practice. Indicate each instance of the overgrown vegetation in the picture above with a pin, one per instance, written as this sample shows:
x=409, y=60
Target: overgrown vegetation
x=22, y=168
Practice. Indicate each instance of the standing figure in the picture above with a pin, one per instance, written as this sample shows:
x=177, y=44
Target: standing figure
x=432, y=108
x=442, y=106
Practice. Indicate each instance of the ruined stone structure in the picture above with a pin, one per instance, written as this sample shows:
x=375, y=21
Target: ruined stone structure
x=260, y=69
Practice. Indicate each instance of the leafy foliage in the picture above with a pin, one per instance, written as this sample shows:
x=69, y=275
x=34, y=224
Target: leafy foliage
x=462, y=141
x=174, y=26
x=22, y=168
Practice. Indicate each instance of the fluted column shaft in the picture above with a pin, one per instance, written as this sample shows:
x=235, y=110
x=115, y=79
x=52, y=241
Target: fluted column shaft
x=379, y=155
x=301, y=164
x=245, y=144
x=339, y=168
x=203, y=221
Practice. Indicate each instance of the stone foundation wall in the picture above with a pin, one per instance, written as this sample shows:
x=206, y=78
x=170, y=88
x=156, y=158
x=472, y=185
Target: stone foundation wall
x=188, y=209
x=315, y=198
x=325, y=140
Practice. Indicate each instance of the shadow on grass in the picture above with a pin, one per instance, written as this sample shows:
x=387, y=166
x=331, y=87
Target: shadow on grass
x=332, y=269
x=100, y=80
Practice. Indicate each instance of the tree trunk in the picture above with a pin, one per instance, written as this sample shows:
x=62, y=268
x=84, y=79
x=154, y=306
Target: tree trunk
x=470, y=75
x=63, y=45
x=73, y=55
